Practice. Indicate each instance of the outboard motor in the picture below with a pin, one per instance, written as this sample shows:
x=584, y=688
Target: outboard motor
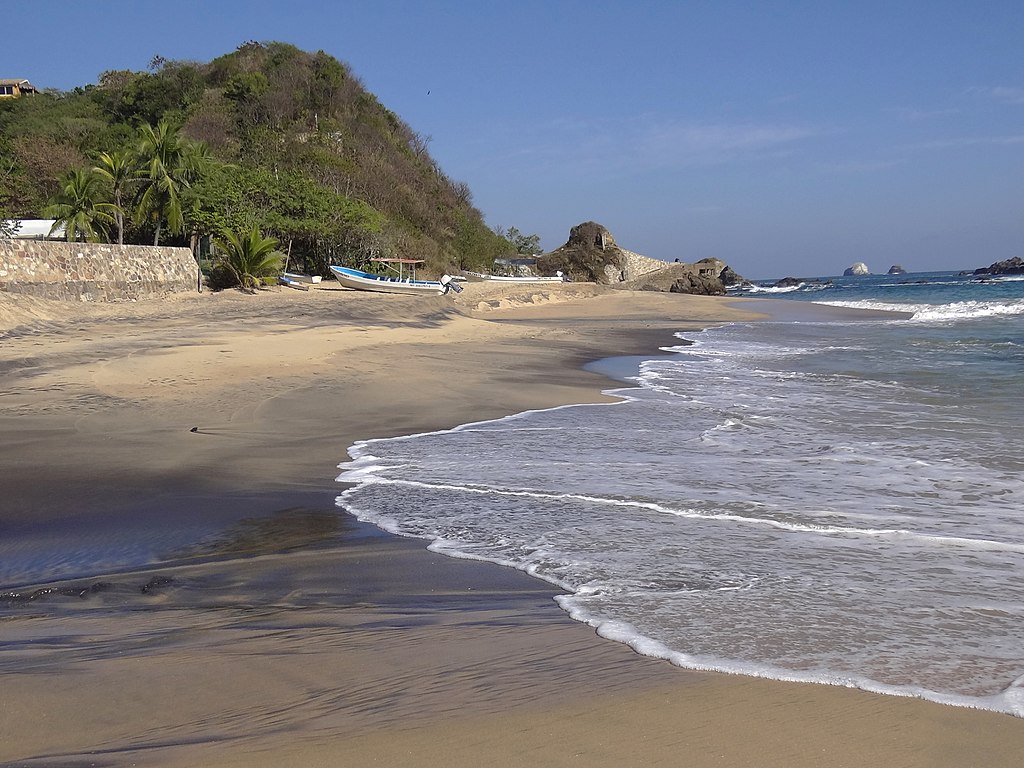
x=449, y=284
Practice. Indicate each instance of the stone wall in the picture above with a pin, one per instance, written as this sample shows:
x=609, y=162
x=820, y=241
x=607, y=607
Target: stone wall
x=94, y=271
x=633, y=266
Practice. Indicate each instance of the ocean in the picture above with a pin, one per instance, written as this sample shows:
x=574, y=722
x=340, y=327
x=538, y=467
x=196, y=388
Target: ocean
x=822, y=497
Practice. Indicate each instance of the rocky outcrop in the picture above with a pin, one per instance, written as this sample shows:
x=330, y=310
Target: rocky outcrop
x=896, y=269
x=1014, y=266
x=94, y=271
x=589, y=255
x=788, y=282
x=860, y=268
x=730, y=277
x=700, y=278
x=701, y=285
x=592, y=255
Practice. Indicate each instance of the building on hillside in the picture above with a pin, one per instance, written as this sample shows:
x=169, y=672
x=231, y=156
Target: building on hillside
x=13, y=88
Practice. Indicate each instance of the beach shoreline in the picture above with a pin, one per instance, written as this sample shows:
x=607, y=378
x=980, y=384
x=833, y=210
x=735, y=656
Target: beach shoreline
x=405, y=657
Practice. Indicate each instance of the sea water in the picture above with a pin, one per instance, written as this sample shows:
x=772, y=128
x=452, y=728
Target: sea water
x=837, y=500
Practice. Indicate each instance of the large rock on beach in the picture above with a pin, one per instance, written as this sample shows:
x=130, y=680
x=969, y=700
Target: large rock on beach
x=1014, y=266
x=700, y=285
x=589, y=255
x=860, y=268
x=592, y=255
x=702, y=278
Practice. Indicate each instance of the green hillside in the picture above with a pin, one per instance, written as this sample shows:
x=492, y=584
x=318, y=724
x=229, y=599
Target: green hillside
x=270, y=136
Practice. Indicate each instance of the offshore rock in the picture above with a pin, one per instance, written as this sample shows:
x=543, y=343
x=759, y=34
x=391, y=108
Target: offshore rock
x=1014, y=266
x=860, y=268
x=730, y=277
x=896, y=269
x=788, y=282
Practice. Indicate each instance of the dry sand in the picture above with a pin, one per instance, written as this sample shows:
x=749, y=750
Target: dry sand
x=308, y=639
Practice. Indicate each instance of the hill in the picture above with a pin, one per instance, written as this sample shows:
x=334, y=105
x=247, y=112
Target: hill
x=295, y=145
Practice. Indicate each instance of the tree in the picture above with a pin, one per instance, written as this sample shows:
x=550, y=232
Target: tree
x=250, y=257
x=168, y=164
x=528, y=244
x=119, y=169
x=78, y=207
x=8, y=226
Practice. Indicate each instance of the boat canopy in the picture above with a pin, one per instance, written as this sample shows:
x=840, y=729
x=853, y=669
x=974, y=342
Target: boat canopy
x=401, y=268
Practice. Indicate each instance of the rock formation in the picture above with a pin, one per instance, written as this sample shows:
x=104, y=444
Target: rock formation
x=1014, y=266
x=730, y=277
x=592, y=255
x=896, y=269
x=860, y=268
x=788, y=282
x=701, y=278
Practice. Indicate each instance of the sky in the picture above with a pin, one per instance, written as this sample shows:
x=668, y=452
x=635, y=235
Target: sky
x=785, y=138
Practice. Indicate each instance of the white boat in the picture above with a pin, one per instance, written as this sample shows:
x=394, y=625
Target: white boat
x=477, y=277
x=300, y=282
x=295, y=277
x=401, y=282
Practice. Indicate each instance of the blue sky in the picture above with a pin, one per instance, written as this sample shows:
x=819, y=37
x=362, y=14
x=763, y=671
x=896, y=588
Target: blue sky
x=786, y=138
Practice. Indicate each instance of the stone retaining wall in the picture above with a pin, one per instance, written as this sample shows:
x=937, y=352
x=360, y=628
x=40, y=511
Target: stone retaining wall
x=94, y=271
x=633, y=266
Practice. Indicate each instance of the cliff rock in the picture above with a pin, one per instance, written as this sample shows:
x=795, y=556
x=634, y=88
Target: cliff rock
x=860, y=268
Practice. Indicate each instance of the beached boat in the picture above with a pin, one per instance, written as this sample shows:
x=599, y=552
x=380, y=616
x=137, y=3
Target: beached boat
x=301, y=282
x=403, y=281
x=298, y=278
x=477, y=277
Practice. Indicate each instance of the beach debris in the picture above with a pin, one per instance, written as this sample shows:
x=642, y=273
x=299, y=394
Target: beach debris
x=155, y=583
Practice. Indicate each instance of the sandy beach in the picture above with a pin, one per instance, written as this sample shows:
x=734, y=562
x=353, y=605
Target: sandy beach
x=297, y=636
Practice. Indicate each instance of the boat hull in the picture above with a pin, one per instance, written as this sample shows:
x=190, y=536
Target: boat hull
x=364, y=281
x=476, y=277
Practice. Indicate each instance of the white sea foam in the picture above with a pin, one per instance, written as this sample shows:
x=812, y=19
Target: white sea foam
x=960, y=310
x=842, y=507
x=1009, y=701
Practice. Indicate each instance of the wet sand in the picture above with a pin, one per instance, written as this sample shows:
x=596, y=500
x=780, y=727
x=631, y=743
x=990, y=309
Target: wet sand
x=298, y=636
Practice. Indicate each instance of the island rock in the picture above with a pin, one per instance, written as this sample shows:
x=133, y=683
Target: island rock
x=789, y=282
x=1014, y=266
x=860, y=268
x=896, y=269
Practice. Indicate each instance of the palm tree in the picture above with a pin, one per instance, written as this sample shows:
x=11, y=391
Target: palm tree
x=79, y=209
x=250, y=257
x=168, y=164
x=119, y=169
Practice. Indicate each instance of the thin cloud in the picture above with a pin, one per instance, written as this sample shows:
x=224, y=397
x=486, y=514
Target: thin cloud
x=972, y=141
x=860, y=166
x=643, y=142
x=914, y=115
x=1002, y=93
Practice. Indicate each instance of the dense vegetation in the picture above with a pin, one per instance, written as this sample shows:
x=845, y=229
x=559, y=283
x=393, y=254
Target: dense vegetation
x=267, y=139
